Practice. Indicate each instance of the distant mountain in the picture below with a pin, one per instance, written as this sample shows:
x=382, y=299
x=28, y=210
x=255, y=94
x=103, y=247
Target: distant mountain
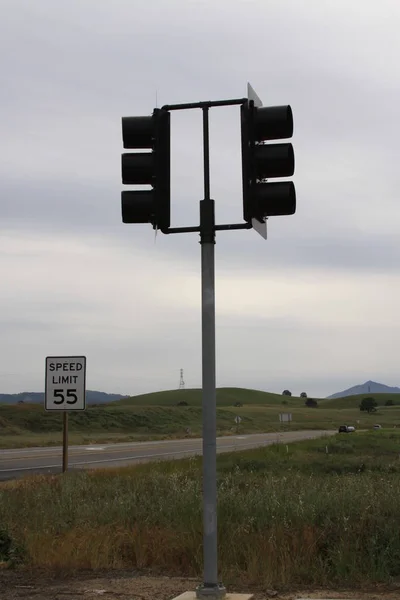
x=92, y=397
x=369, y=387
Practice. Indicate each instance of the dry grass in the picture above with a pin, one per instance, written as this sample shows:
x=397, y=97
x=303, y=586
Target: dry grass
x=284, y=518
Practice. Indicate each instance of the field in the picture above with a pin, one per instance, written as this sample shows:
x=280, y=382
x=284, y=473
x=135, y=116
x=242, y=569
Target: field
x=158, y=416
x=318, y=513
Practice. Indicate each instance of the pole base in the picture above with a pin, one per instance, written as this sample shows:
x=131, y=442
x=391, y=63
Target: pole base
x=231, y=596
x=211, y=591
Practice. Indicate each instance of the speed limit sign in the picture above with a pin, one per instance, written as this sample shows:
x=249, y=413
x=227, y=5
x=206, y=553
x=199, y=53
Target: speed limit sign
x=65, y=383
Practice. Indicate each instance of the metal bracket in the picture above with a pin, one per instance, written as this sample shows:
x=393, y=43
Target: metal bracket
x=227, y=227
x=233, y=226
x=206, y=104
x=207, y=226
x=182, y=229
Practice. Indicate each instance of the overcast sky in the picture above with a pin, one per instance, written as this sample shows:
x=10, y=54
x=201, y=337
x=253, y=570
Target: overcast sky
x=314, y=308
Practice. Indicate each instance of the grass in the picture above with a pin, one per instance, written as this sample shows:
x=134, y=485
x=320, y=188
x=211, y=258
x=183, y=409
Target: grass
x=288, y=515
x=225, y=397
x=229, y=396
x=51, y=439
x=157, y=416
x=354, y=401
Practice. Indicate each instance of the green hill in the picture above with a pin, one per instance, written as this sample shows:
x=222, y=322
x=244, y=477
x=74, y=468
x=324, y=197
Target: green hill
x=92, y=397
x=225, y=397
x=354, y=401
x=178, y=413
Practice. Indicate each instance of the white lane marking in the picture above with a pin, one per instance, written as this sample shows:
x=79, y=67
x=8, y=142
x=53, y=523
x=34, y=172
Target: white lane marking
x=92, y=448
x=108, y=460
x=123, y=444
x=133, y=445
x=93, y=462
x=133, y=458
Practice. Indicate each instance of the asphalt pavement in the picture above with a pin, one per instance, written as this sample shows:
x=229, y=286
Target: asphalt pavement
x=27, y=461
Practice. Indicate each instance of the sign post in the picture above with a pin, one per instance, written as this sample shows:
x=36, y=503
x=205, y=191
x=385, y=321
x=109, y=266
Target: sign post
x=65, y=442
x=237, y=421
x=65, y=390
x=285, y=417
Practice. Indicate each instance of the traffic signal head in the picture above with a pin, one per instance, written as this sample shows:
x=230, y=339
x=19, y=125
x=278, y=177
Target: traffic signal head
x=261, y=161
x=151, y=133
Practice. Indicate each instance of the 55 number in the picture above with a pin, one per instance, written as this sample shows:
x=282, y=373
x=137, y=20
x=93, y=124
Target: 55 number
x=70, y=396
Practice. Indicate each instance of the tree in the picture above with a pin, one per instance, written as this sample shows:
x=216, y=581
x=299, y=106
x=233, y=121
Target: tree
x=286, y=393
x=389, y=402
x=368, y=405
x=311, y=403
x=303, y=395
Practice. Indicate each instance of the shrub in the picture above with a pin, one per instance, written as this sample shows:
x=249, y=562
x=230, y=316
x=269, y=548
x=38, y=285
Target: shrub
x=368, y=405
x=9, y=552
x=311, y=403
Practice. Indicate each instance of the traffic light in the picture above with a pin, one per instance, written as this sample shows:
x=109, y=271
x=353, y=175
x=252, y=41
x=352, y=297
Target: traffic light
x=151, y=167
x=261, y=161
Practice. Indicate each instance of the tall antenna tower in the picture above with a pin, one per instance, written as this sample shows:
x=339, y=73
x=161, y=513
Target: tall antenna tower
x=181, y=382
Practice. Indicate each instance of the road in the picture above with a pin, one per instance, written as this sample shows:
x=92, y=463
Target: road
x=25, y=461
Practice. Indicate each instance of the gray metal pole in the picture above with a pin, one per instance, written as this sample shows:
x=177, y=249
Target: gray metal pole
x=209, y=416
x=65, y=442
x=210, y=587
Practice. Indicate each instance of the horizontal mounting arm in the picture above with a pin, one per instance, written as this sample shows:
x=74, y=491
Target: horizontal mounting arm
x=206, y=104
x=233, y=226
x=228, y=227
x=182, y=229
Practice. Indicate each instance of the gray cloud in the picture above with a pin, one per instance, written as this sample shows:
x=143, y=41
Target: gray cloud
x=88, y=210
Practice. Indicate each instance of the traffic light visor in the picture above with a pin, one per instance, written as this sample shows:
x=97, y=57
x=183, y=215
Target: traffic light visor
x=273, y=160
x=275, y=199
x=137, y=206
x=137, y=168
x=137, y=132
x=273, y=123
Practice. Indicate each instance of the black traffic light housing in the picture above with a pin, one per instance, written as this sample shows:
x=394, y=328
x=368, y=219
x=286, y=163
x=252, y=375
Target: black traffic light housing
x=151, y=133
x=261, y=161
